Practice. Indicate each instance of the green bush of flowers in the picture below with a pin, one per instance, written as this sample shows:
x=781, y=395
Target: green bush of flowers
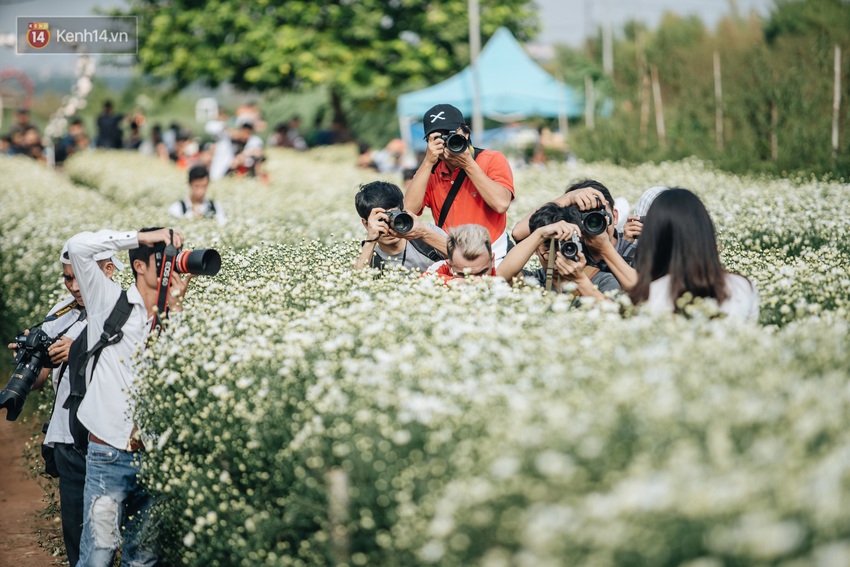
x=305, y=414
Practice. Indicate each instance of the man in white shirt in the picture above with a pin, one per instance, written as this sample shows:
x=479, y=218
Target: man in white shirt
x=112, y=492
x=198, y=206
x=67, y=320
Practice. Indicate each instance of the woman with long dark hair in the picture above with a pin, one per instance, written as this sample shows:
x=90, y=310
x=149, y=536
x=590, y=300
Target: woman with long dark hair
x=678, y=255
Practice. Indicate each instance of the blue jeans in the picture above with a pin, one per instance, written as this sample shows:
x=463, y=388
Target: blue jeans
x=114, y=499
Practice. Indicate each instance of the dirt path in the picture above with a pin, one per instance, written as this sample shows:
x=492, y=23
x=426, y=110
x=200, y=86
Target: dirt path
x=20, y=501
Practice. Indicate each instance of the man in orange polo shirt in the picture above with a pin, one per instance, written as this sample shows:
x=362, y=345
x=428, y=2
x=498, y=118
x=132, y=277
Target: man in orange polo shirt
x=487, y=186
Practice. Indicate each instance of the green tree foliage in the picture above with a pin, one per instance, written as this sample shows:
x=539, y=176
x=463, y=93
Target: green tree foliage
x=363, y=49
x=777, y=79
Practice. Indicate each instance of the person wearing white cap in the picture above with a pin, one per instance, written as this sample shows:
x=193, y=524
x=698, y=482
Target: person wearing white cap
x=67, y=320
x=115, y=505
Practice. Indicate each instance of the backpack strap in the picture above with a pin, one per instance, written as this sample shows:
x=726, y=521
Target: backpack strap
x=211, y=212
x=450, y=198
x=426, y=250
x=112, y=332
x=184, y=207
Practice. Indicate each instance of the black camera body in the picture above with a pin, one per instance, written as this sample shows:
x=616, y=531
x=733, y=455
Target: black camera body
x=456, y=143
x=399, y=221
x=571, y=248
x=31, y=359
x=595, y=221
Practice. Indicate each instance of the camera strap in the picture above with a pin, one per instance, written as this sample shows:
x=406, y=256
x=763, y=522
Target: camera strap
x=165, y=271
x=61, y=312
x=450, y=198
x=550, y=268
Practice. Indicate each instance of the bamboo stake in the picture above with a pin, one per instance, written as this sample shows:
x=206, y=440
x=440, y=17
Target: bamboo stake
x=338, y=503
x=659, y=111
x=644, y=110
x=589, y=103
x=836, y=102
x=774, y=125
x=718, y=101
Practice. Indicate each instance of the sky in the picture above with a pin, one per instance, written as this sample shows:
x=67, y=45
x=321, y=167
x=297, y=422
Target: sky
x=562, y=21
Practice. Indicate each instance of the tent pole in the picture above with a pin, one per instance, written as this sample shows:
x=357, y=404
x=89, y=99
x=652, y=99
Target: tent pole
x=474, y=50
x=404, y=128
x=563, y=123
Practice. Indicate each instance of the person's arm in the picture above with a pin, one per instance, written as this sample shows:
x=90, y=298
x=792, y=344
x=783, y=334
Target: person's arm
x=573, y=270
x=515, y=260
x=584, y=199
x=98, y=291
x=497, y=196
x=220, y=216
x=625, y=274
x=431, y=235
x=414, y=197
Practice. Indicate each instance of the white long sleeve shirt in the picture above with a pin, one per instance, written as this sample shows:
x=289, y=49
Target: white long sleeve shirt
x=59, y=430
x=107, y=409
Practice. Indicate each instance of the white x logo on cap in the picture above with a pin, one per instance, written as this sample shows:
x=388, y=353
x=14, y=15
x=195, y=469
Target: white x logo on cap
x=435, y=117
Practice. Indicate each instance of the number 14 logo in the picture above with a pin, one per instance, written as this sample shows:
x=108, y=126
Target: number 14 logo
x=38, y=34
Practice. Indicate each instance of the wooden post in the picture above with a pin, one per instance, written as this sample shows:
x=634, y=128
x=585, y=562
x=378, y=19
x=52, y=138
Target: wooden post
x=338, y=503
x=659, y=111
x=774, y=125
x=644, y=109
x=607, y=43
x=836, y=102
x=718, y=102
x=589, y=103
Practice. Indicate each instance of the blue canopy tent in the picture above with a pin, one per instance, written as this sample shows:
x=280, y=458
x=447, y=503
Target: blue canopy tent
x=512, y=86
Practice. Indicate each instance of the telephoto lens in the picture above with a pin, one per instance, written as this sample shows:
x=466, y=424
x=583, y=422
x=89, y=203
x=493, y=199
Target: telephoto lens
x=202, y=262
x=400, y=221
x=32, y=357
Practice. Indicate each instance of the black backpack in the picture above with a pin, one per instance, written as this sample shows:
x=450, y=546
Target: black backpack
x=79, y=356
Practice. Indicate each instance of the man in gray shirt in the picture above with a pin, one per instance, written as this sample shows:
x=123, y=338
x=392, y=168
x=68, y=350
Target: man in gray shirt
x=394, y=236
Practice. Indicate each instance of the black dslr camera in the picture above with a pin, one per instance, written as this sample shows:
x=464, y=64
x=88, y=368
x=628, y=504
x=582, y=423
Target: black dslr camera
x=399, y=221
x=595, y=221
x=571, y=248
x=31, y=359
x=456, y=143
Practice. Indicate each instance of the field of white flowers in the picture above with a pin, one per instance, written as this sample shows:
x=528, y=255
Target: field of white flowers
x=311, y=415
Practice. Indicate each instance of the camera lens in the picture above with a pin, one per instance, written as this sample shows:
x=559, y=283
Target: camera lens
x=569, y=249
x=203, y=262
x=594, y=223
x=457, y=143
x=401, y=222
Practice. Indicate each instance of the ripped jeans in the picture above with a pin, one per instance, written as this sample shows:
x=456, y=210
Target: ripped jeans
x=114, y=499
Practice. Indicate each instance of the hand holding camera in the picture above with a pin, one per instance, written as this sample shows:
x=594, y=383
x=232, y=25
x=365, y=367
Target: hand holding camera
x=59, y=350
x=32, y=356
x=583, y=199
x=633, y=228
x=393, y=222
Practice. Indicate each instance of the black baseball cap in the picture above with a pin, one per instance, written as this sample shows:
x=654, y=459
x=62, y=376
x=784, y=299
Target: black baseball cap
x=442, y=117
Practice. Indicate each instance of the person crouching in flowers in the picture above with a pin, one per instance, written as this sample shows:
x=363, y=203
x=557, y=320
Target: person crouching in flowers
x=414, y=245
x=678, y=260
x=470, y=255
x=589, y=281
